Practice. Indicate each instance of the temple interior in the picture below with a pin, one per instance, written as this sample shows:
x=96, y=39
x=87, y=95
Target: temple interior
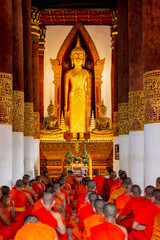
x=79, y=98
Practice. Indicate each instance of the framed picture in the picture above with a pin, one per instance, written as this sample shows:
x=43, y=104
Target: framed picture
x=116, y=151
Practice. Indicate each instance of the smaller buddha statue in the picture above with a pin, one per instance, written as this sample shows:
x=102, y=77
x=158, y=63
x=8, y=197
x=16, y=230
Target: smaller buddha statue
x=103, y=122
x=51, y=122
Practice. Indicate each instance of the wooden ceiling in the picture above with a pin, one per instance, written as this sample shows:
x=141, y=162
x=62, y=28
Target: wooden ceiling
x=65, y=12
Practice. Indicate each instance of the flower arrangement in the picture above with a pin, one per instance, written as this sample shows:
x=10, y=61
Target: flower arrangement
x=77, y=159
x=85, y=157
x=69, y=157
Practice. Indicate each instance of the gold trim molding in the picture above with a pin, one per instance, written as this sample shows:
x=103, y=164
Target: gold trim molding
x=6, y=98
x=152, y=96
x=115, y=124
x=136, y=110
x=123, y=118
x=18, y=111
x=36, y=125
x=28, y=119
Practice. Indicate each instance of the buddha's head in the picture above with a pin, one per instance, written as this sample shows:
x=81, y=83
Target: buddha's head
x=78, y=55
x=102, y=109
x=50, y=109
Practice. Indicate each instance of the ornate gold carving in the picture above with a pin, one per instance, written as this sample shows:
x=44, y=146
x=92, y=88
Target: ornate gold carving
x=152, y=96
x=35, y=19
x=42, y=40
x=123, y=118
x=114, y=28
x=18, y=111
x=70, y=37
x=5, y=98
x=28, y=119
x=36, y=125
x=115, y=124
x=136, y=110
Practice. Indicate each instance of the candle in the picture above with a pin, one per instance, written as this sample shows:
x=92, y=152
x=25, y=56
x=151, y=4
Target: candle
x=90, y=167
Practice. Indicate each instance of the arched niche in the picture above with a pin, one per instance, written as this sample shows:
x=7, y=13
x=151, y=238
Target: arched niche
x=62, y=63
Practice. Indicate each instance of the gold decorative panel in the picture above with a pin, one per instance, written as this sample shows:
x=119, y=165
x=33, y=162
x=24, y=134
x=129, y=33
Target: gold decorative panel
x=18, y=111
x=123, y=118
x=136, y=110
x=28, y=119
x=152, y=96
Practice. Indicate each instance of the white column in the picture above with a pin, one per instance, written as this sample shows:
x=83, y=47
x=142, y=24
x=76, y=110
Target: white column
x=151, y=153
x=136, y=157
x=36, y=157
x=124, y=152
x=29, y=156
x=17, y=156
x=5, y=154
x=116, y=163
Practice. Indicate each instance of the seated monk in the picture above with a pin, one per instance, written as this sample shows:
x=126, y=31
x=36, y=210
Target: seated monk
x=81, y=189
x=132, y=208
x=116, y=193
x=21, y=199
x=84, y=213
x=57, y=206
x=91, y=186
x=157, y=183
x=109, y=230
x=33, y=229
x=143, y=223
x=72, y=182
x=156, y=228
x=28, y=189
x=94, y=219
x=6, y=191
x=99, y=180
x=108, y=184
x=9, y=210
x=39, y=183
x=46, y=180
x=117, y=184
x=122, y=200
x=5, y=232
x=48, y=216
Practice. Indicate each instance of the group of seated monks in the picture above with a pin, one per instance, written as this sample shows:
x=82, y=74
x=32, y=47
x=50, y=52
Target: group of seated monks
x=104, y=208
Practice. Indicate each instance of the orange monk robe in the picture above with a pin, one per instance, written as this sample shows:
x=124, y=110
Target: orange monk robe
x=72, y=182
x=145, y=216
x=84, y=213
x=68, y=208
x=115, y=194
x=39, y=204
x=130, y=210
x=99, y=180
x=46, y=217
x=107, y=231
x=90, y=222
x=121, y=202
x=36, y=188
x=8, y=232
x=74, y=224
x=80, y=200
x=64, y=236
x=115, y=186
x=156, y=228
x=81, y=189
x=20, y=199
x=34, y=231
x=106, y=188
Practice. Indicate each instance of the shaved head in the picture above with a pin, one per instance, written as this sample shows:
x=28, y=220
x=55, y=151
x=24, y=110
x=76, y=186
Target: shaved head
x=156, y=194
x=48, y=198
x=91, y=185
x=135, y=189
x=31, y=219
x=127, y=180
x=56, y=186
x=87, y=195
x=99, y=205
x=19, y=183
x=149, y=190
x=110, y=211
x=49, y=189
x=158, y=180
x=93, y=197
x=113, y=175
x=128, y=187
x=5, y=190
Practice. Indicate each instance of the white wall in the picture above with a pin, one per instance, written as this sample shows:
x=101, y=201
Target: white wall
x=55, y=35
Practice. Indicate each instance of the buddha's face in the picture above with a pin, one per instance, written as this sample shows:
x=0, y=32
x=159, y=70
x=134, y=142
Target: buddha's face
x=78, y=58
x=51, y=111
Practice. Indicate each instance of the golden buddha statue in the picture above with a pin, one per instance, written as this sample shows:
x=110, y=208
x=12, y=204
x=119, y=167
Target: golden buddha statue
x=50, y=122
x=103, y=122
x=77, y=93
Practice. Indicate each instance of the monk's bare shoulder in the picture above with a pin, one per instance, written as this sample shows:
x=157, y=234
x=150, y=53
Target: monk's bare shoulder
x=123, y=229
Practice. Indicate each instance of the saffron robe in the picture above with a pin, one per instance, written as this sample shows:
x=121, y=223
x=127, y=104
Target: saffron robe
x=20, y=199
x=107, y=231
x=90, y=222
x=115, y=194
x=156, y=228
x=121, y=202
x=99, y=180
x=34, y=231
